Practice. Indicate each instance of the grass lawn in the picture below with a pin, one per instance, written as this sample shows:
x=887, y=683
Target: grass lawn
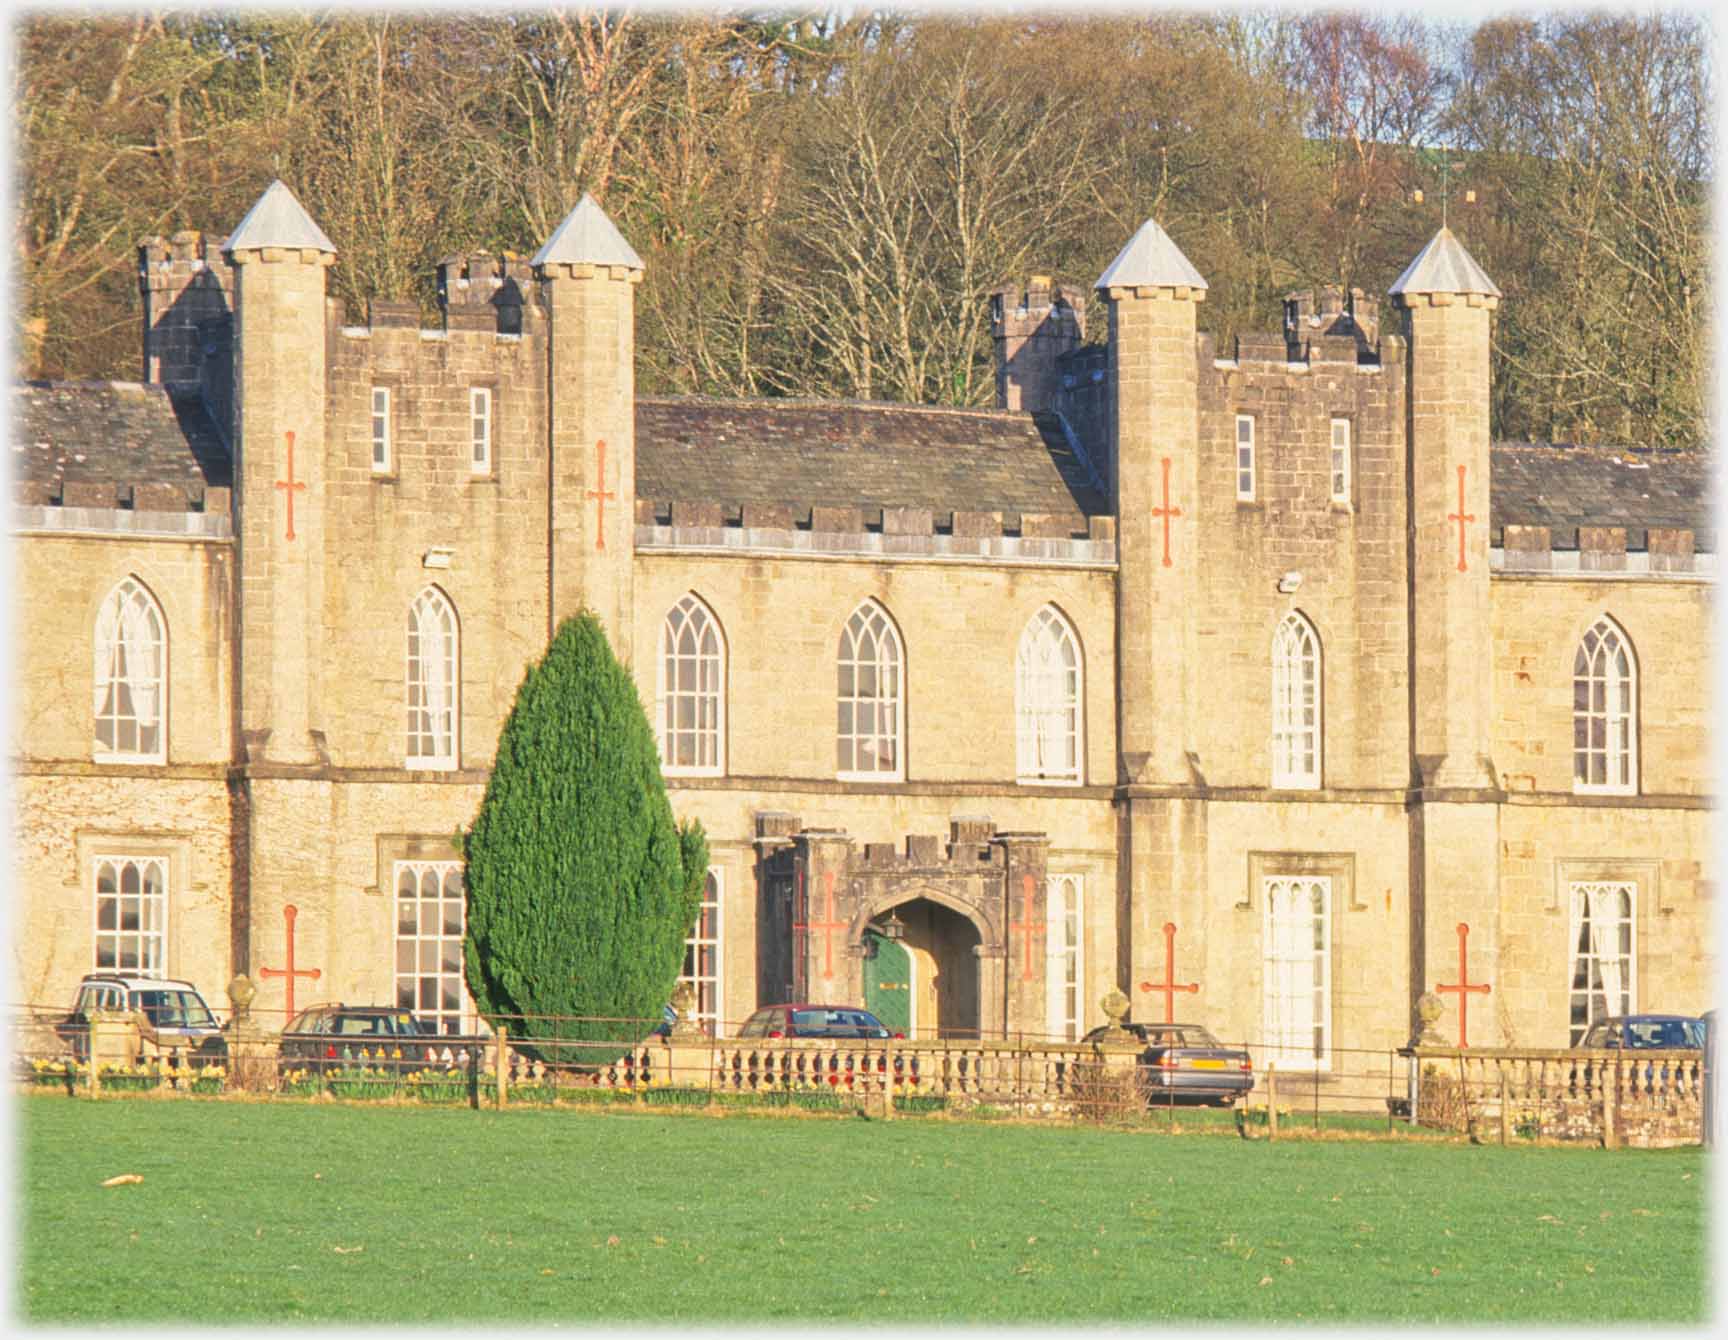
x=294, y=1211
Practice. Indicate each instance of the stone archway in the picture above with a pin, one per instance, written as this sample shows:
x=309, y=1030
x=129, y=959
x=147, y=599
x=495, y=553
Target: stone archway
x=927, y=983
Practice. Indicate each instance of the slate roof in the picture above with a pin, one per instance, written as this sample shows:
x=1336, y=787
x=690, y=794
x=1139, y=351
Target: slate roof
x=807, y=454
x=119, y=433
x=857, y=454
x=1150, y=258
x=587, y=237
x=1564, y=487
x=1444, y=266
x=278, y=219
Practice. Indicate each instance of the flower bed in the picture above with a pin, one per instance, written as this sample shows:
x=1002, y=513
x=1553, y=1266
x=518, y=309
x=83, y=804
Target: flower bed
x=438, y=1086
x=365, y=1083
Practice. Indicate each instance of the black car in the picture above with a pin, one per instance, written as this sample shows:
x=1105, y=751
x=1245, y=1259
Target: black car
x=1185, y=1061
x=813, y=1021
x=1669, y=1031
x=327, y=1037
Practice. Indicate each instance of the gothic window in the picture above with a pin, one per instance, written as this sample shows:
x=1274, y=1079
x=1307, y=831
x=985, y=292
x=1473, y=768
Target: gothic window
x=1065, y=960
x=691, y=706
x=132, y=915
x=480, y=430
x=131, y=674
x=702, y=958
x=1604, y=695
x=429, y=929
x=1295, y=704
x=1341, y=460
x=432, y=681
x=1297, y=987
x=869, y=731
x=1603, y=964
x=1047, y=698
x=380, y=430
x=1244, y=458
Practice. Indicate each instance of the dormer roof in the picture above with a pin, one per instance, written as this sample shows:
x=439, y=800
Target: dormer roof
x=278, y=220
x=1443, y=266
x=1150, y=258
x=587, y=237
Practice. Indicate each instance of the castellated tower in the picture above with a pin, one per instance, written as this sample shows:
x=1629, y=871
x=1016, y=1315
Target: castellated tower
x=280, y=255
x=1153, y=292
x=1448, y=302
x=1032, y=328
x=587, y=274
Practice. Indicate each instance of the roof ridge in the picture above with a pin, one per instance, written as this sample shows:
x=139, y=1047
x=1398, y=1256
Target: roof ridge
x=791, y=402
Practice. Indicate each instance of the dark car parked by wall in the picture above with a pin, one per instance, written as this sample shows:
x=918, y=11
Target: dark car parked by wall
x=1640, y=1031
x=326, y=1037
x=813, y=1021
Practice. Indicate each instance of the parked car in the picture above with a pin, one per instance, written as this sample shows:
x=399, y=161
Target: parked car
x=326, y=1037
x=171, y=1015
x=1671, y=1031
x=813, y=1021
x=1182, y=1061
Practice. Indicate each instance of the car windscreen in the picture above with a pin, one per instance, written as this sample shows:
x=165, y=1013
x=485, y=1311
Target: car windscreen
x=837, y=1023
x=175, y=1009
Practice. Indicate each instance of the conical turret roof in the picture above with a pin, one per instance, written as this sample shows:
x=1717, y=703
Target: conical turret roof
x=1150, y=258
x=278, y=220
x=587, y=237
x=1443, y=266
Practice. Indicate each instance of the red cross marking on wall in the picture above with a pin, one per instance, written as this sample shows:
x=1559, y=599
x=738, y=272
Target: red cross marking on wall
x=827, y=927
x=1166, y=511
x=1169, y=986
x=600, y=494
x=1464, y=986
x=289, y=485
x=290, y=972
x=1028, y=926
x=1460, y=516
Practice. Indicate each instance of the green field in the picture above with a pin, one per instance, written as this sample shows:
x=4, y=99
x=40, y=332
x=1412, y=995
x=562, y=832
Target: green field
x=284, y=1211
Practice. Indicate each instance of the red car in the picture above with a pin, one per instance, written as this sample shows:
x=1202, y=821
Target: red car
x=814, y=1021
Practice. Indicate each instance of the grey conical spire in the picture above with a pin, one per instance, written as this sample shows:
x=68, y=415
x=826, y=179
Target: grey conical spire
x=278, y=220
x=1150, y=258
x=587, y=237
x=1443, y=266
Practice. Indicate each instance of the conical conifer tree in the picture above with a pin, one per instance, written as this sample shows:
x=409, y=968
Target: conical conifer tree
x=581, y=890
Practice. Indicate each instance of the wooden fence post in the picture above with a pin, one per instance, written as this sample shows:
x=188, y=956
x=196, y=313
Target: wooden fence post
x=501, y=1063
x=1271, y=1102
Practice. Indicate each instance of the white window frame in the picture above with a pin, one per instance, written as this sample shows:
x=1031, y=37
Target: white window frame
x=1605, y=712
x=1049, y=698
x=691, y=684
x=708, y=1014
x=130, y=658
x=1244, y=458
x=480, y=429
x=432, y=727
x=1341, y=460
x=382, y=423
x=1294, y=970
x=430, y=945
x=149, y=909
x=1587, y=993
x=1297, y=736
x=1065, y=957
x=885, y=668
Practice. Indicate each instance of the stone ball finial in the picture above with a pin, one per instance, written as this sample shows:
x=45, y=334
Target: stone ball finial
x=240, y=994
x=683, y=998
x=1115, y=1006
x=1429, y=1008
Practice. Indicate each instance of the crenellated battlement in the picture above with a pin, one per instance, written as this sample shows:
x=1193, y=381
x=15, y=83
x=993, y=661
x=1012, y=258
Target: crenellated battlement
x=1583, y=550
x=187, y=287
x=484, y=291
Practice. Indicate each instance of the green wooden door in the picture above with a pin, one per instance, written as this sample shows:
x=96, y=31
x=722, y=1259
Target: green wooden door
x=888, y=983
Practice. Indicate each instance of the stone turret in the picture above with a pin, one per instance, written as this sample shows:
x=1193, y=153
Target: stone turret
x=587, y=274
x=280, y=257
x=1033, y=326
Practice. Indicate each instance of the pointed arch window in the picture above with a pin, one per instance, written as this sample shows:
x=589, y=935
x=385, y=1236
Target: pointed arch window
x=131, y=674
x=1048, y=683
x=432, y=681
x=691, y=707
x=1295, y=704
x=870, y=689
x=1604, y=705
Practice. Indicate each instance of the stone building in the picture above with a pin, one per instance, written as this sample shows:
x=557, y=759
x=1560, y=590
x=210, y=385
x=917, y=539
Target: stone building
x=1257, y=672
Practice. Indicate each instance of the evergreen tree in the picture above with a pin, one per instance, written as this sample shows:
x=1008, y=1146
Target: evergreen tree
x=581, y=891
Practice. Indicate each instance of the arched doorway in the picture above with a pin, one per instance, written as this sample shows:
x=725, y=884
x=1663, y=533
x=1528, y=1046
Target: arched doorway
x=926, y=984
